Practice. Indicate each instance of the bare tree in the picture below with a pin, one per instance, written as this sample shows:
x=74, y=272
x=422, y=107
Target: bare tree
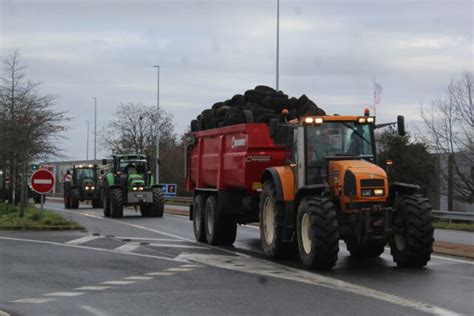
x=29, y=124
x=450, y=121
x=133, y=129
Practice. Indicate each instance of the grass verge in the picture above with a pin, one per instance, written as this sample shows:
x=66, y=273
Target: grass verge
x=33, y=219
x=445, y=224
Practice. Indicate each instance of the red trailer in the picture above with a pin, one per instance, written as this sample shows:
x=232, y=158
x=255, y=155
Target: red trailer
x=224, y=167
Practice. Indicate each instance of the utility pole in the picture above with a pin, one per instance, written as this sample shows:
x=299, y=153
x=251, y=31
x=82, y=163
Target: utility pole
x=87, y=146
x=278, y=45
x=95, y=129
x=157, y=124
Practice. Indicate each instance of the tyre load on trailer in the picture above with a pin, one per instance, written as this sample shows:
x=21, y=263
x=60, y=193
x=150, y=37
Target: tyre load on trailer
x=412, y=240
x=258, y=105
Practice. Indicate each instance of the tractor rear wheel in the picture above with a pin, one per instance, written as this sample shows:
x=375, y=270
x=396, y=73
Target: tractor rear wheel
x=199, y=206
x=412, y=241
x=116, y=202
x=158, y=206
x=318, y=233
x=271, y=225
x=220, y=230
x=74, y=198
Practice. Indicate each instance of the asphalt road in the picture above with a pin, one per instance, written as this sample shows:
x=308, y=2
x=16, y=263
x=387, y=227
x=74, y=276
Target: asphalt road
x=143, y=266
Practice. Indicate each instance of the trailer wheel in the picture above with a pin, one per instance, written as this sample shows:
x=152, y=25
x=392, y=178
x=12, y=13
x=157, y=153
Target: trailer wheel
x=220, y=230
x=158, y=206
x=106, y=203
x=116, y=202
x=198, y=217
x=318, y=233
x=271, y=224
x=370, y=249
x=74, y=198
x=412, y=241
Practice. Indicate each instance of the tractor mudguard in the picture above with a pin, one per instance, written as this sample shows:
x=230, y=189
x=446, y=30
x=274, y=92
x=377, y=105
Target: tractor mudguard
x=397, y=188
x=284, y=181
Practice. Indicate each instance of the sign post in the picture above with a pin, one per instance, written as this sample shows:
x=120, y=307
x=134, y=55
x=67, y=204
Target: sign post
x=42, y=182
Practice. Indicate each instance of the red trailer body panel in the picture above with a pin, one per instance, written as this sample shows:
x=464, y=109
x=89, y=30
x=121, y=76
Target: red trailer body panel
x=232, y=157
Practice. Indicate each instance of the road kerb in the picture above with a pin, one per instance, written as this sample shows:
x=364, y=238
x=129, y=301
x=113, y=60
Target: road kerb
x=454, y=249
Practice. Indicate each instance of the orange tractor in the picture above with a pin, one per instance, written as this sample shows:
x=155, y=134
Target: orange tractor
x=309, y=184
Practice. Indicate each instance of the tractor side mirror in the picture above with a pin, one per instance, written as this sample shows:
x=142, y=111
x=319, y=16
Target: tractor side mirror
x=401, y=125
x=104, y=161
x=282, y=134
x=102, y=172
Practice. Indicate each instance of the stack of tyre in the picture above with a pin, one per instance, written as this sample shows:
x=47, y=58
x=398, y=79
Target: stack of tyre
x=258, y=105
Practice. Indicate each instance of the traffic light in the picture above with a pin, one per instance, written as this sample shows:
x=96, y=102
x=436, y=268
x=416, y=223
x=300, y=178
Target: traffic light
x=34, y=167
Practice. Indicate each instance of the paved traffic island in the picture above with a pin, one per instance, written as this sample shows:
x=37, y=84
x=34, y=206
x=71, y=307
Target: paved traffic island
x=33, y=219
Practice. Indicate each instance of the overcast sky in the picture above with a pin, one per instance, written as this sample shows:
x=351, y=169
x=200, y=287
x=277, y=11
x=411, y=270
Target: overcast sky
x=210, y=50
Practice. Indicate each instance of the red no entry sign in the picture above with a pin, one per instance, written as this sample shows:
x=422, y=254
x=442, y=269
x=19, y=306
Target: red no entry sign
x=42, y=181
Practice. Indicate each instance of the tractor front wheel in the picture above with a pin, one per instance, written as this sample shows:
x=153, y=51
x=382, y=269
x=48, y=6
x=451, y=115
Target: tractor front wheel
x=74, y=198
x=116, y=202
x=412, y=240
x=318, y=233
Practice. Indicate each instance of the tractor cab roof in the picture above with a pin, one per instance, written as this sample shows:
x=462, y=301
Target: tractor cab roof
x=129, y=156
x=85, y=166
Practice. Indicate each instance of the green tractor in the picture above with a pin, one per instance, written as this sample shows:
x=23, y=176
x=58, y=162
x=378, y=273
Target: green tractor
x=83, y=185
x=129, y=183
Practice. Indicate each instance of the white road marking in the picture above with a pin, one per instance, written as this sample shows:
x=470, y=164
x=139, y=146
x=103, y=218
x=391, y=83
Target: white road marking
x=42, y=181
x=92, y=288
x=82, y=240
x=95, y=249
x=34, y=300
x=117, y=282
x=270, y=269
x=154, y=239
x=191, y=266
x=65, y=294
x=161, y=273
x=151, y=230
x=93, y=310
x=128, y=247
x=177, y=246
x=144, y=278
x=179, y=269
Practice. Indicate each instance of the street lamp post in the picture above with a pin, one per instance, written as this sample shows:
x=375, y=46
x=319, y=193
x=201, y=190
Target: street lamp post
x=95, y=129
x=157, y=124
x=87, y=146
x=278, y=45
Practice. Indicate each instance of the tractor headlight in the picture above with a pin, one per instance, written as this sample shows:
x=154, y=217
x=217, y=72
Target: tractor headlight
x=134, y=188
x=92, y=188
x=87, y=188
x=366, y=192
x=140, y=188
x=378, y=192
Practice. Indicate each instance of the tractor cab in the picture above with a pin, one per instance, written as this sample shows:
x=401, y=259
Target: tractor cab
x=84, y=177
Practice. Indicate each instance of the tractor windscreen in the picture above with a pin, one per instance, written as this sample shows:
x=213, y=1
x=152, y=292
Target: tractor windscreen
x=133, y=166
x=338, y=139
x=85, y=173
